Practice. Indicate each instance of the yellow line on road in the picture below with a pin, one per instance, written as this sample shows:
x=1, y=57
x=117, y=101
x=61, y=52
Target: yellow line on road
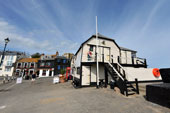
x=51, y=100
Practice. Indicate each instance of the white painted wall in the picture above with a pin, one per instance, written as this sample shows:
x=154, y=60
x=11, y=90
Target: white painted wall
x=47, y=73
x=78, y=58
x=3, y=72
x=114, y=50
x=142, y=74
x=93, y=73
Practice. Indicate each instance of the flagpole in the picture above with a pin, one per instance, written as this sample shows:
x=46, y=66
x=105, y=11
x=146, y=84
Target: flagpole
x=97, y=64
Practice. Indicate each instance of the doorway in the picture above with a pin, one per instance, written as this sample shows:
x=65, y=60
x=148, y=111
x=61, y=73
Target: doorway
x=85, y=75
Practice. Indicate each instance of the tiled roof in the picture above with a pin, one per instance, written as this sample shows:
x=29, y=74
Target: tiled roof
x=29, y=60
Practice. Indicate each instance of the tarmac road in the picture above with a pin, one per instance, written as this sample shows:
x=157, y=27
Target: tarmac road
x=43, y=96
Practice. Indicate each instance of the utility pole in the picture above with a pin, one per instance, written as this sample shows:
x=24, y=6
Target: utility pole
x=97, y=63
x=2, y=58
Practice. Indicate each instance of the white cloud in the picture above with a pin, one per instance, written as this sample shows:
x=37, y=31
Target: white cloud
x=26, y=42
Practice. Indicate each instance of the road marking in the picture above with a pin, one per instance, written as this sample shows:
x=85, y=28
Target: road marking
x=51, y=100
x=2, y=107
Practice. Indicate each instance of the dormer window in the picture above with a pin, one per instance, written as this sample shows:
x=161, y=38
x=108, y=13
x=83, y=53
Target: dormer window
x=91, y=48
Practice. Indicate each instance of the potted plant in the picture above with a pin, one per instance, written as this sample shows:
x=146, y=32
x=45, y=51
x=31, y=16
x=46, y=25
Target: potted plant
x=62, y=78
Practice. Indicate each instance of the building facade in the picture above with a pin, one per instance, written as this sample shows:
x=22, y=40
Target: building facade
x=26, y=66
x=68, y=55
x=51, y=66
x=8, y=65
x=115, y=63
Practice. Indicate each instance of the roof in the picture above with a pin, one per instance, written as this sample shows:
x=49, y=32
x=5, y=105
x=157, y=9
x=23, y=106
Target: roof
x=99, y=36
x=53, y=55
x=126, y=49
x=61, y=57
x=11, y=53
x=29, y=60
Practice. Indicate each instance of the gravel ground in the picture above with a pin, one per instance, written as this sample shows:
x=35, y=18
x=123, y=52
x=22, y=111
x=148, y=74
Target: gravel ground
x=44, y=97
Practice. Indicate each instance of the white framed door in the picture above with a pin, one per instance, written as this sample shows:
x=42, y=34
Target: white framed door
x=106, y=54
x=100, y=57
x=85, y=75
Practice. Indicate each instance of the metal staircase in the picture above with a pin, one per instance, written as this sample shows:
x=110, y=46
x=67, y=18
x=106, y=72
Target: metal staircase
x=117, y=72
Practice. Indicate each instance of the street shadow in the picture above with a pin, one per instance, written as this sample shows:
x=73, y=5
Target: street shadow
x=4, y=90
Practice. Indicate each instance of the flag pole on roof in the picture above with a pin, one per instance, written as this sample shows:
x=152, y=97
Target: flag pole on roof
x=97, y=64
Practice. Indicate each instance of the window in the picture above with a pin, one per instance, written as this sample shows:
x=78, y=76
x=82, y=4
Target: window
x=48, y=64
x=133, y=54
x=19, y=65
x=32, y=64
x=78, y=70
x=58, y=67
x=58, y=60
x=31, y=72
x=64, y=61
x=7, y=69
x=11, y=58
x=42, y=64
x=25, y=65
x=9, y=63
x=91, y=48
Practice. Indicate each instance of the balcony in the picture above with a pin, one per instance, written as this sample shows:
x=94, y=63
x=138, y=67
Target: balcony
x=92, y=58
x=136, y=61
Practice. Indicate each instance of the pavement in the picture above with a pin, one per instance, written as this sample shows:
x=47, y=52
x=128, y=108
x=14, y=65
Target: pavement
x=42, y=96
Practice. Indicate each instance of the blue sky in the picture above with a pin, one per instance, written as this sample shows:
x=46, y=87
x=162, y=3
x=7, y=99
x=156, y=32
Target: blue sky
x=47, y=26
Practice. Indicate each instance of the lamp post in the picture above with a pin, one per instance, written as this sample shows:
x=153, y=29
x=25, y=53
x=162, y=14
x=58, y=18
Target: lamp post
x=2, y=58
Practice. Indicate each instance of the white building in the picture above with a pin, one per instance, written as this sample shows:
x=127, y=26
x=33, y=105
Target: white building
x=115, y=64
x=8, y=64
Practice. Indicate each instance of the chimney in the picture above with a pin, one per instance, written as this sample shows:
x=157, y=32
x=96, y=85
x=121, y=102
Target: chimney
x=57, y=53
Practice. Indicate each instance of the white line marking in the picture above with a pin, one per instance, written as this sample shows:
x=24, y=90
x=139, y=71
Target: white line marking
x=2, y=107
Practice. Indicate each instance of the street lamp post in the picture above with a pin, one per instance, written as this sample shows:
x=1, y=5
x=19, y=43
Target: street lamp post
x=6, y=42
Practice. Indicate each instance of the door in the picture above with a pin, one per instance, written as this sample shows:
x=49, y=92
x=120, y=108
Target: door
x=85, y=75
x=100, y=55
x=50, y=73
x=106, y=54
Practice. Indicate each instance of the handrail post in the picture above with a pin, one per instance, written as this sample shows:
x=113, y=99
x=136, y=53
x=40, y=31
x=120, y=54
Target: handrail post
x=145, y=63
x=137, y=87
x=125, y=86
x=103, y=57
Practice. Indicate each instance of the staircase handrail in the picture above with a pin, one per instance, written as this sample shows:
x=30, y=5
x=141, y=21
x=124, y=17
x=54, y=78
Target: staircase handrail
x=115, y=71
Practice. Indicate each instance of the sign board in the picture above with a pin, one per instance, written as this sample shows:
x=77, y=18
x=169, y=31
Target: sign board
x=19, y=80
x=56, y=80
